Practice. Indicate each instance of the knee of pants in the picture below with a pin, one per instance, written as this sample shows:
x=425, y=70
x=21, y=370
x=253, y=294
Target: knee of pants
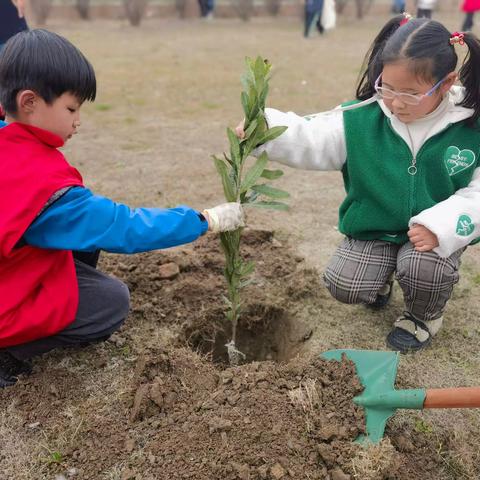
x=344, y=293
x=428, y=268
x=121, y=298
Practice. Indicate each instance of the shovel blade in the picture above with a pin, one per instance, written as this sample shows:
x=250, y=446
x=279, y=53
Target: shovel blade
x=377, y=371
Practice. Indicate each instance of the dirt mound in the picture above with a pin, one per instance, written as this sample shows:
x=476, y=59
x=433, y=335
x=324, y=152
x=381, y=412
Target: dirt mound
x=143, y=407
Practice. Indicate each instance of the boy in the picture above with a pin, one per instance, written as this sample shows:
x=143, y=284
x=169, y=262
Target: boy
x=50, y=297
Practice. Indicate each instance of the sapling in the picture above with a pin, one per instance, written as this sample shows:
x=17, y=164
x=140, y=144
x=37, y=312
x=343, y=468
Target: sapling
x=249, y=187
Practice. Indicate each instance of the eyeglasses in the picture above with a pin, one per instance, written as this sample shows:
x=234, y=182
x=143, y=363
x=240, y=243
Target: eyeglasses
x=407, y=98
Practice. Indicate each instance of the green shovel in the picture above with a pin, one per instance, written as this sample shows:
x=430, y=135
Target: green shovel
x=377, y=371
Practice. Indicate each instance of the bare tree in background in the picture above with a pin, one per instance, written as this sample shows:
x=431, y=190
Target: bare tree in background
x=181, y=7
x=273, y=6
x=362, y=6
x=41, y=10
x=135, y=10
x=83, y=8
x=244, y=9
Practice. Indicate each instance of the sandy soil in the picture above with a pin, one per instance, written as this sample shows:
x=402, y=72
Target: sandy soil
x=156, y=401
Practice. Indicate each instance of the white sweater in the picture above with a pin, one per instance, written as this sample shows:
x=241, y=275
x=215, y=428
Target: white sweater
x=317, y=142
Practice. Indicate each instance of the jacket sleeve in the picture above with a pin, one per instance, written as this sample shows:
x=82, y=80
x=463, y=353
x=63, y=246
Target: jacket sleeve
x=456, y=220
x=82, y=221
x=314, y=142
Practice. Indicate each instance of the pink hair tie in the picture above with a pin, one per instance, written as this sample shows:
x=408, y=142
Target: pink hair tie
x=406, y=18
x=457, y=37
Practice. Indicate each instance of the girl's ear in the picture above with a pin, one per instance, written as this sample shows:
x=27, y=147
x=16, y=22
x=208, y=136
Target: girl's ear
x=450, y=79
x=26, y=101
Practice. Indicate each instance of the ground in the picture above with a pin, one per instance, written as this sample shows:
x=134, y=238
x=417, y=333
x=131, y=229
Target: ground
x=156, y=402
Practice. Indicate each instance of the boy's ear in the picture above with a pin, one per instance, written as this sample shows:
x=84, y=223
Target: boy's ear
x=27, y=101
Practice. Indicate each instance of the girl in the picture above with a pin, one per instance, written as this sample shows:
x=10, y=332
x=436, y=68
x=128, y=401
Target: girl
x=408, y=149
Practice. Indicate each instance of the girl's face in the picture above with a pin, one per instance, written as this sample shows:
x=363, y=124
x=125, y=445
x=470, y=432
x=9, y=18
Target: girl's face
x=399, y=78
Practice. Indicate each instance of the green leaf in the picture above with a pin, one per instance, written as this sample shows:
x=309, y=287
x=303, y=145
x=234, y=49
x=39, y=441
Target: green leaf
x=245, y=104
x=270, y=205
x=271, y=174
x=272, y=133
x=254, y=173
x=271, y=192
x=251, y=127
x=234, y=146
x=228, y=187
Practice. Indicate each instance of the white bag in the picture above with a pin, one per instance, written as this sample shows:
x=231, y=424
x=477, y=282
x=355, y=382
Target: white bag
x=329, y=15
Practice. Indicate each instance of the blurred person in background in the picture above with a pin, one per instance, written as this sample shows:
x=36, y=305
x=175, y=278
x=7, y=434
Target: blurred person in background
x=398, y=6
x=425, y=7
x=313, y=15
x=206, y=8
x=12, y=19
x=469, y=7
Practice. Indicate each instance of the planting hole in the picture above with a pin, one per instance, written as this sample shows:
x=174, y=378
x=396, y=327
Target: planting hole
x=265, y=332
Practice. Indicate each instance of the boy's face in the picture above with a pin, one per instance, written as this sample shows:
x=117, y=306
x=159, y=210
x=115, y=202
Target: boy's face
x=62, y=117
x=399, y=78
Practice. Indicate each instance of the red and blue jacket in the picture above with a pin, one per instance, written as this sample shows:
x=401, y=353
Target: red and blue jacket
x=38, y=285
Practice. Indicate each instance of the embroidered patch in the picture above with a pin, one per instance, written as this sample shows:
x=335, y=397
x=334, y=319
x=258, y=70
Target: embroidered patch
x=457, y=160
x=465, y=226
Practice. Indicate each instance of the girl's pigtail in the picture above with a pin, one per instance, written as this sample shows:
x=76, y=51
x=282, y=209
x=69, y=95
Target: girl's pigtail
x=469, y=76
x=372, y=64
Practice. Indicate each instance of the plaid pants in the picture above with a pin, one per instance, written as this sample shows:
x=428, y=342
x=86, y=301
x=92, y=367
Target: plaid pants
x=359, y=269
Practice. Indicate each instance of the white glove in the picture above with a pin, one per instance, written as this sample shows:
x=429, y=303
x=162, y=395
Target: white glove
x=225, y=217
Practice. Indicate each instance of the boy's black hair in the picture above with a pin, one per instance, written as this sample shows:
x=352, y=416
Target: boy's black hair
x=426, y=45
x=46, y=63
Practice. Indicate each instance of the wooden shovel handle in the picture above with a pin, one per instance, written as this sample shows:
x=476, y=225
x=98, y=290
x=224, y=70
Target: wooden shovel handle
x=465, y=397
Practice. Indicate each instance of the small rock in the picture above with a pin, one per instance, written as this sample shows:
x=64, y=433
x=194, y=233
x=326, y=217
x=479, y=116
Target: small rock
x=60, y=477
x=276, y=243
x=128, y=475
x=129, y=445
x=33, y=425
x=243, y=470
x=327, y=453
x=263, y=472
x=339, y=474
x=277, y=472
x=168, y=271
x=327, y=432
x=219, y=425
x=72, y=472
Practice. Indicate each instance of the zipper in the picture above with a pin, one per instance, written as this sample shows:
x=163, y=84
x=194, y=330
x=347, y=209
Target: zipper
x=412, y=168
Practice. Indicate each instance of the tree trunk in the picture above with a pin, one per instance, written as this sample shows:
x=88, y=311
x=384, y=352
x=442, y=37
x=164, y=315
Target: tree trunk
x=135, y=10
x=41, y=10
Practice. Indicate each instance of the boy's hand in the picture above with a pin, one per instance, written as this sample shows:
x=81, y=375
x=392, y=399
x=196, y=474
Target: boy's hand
x=239, y=130
x=422, y=238
x=225, y=217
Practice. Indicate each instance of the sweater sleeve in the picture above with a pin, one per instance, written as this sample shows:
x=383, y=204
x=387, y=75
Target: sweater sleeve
x=314, y=142
x=82, y=221
x=456, y=220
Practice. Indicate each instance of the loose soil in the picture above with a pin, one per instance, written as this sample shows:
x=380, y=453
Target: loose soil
x=157, y=401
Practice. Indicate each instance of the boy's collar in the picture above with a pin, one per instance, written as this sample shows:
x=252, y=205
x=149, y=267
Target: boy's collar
x=44, y=136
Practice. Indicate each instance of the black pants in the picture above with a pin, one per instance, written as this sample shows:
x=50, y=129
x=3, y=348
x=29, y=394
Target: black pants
x=424, y=13
x=468, y=22
x=103, y=305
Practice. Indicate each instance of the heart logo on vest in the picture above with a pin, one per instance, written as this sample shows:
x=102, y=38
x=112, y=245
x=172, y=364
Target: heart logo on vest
x=457, y=160
x=465, y=226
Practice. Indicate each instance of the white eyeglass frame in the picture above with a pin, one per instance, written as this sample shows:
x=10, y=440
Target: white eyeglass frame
x=407, y=98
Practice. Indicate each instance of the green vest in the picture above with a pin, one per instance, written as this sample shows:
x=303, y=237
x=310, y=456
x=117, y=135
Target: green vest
x=382, y=195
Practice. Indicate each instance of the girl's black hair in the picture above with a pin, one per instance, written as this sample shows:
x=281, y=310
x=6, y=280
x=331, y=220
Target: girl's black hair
x=426, y=45
x=46, y=63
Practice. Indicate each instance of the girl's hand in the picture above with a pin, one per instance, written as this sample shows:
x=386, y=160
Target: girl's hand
x=239, y=130
x=20, y=4
x=422, y=238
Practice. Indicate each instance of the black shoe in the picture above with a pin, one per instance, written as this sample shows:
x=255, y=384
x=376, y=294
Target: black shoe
x=409, y=335
x=382, y=300
x=11, y=368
